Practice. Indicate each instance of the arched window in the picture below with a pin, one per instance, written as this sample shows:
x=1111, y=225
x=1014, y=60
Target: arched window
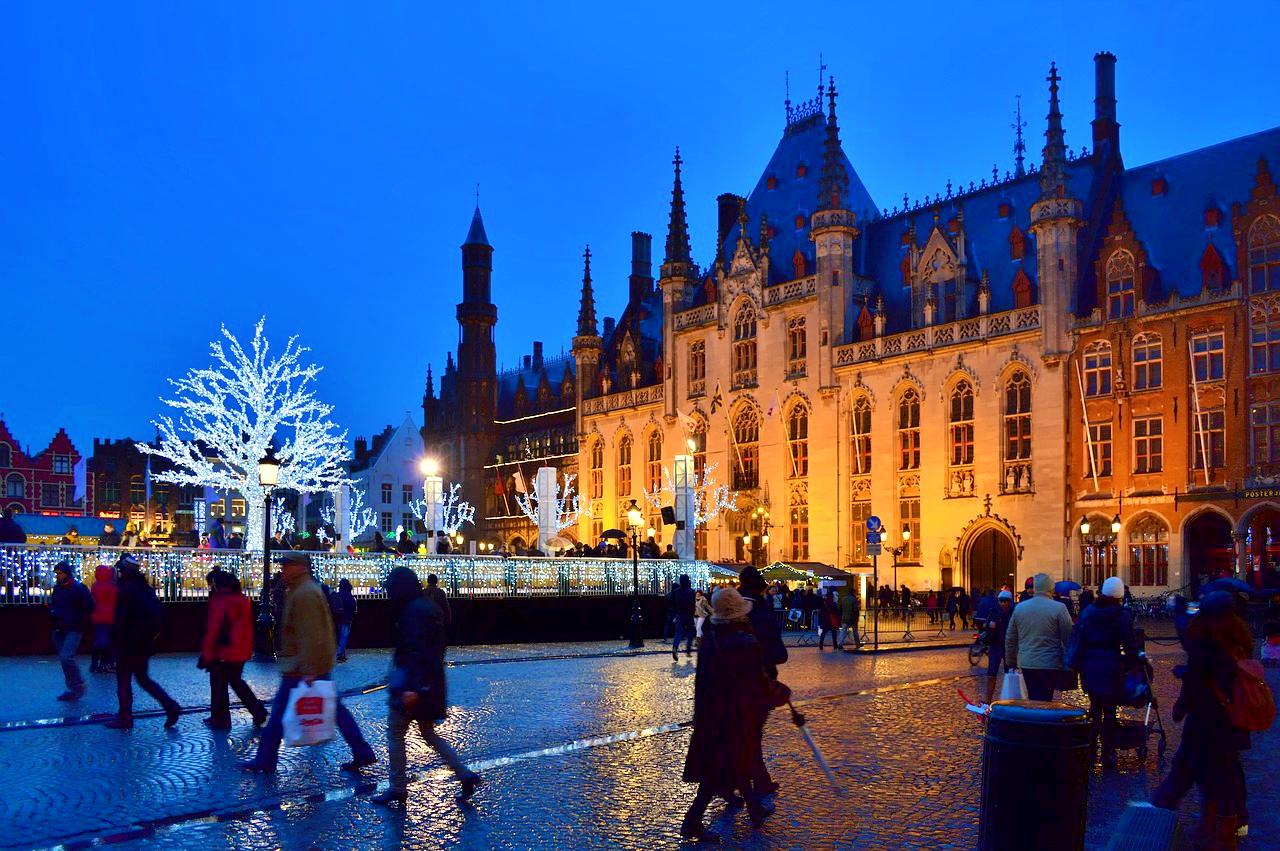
x=1097, y=369
x=797, y=347
x=1264, y=255
x=746, y=439
x=597, y=469
x=624, y=465
x=1017, y=433
x=697, y=368
x=15, y=487
x=1120, y=288
x=799, y=526
x=744, y=346
x=653, y=462
x=627, y=365
x=698, y=446
x=6, y=459
x=860, y=432
x=1149, y=552
x=1099, y=552
x=909, y=431
x=1148, y=362
x=962, y=424
x=798, y=439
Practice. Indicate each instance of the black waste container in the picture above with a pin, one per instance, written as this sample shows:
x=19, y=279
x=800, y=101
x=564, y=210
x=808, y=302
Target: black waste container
x=1035, y=776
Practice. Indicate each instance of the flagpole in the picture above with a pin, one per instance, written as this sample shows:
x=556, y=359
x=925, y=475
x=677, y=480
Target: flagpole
x=1088, y=436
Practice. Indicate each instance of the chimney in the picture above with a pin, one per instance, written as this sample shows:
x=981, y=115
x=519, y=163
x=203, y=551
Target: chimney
x=362, y=449
x=608, y=326
x=641, y=266
x=1106, y=130
x=528, y=361
x=728, y=206
x=537, y=356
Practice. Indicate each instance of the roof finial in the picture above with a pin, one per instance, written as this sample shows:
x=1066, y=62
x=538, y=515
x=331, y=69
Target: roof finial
x=1053, y=174
x=1019, y=146
x=822, y=70
x=834, y=183
x=787, y=87
x=587, y=307
x=677, y=228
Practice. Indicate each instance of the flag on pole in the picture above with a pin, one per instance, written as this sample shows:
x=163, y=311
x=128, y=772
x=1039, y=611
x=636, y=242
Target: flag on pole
x=519, y=480
x=688, y=422
x=717, y=399
x=775, y=406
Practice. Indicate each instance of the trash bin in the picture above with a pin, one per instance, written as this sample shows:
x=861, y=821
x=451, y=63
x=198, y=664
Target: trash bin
x=1035, y=776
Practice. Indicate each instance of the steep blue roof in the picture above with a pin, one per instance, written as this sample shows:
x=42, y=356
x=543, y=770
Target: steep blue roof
x=509, y=380
x=476, y=234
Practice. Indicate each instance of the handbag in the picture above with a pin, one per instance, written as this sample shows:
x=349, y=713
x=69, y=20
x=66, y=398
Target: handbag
x=1251, y=706
x=310, y=717
x=1013, y=686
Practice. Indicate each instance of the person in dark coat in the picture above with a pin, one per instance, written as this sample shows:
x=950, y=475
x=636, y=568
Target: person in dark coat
x=380, y=543
x=1086, y=599
x=829, y=621
x=964, y=605
x=343, y=606
x=404, y=544
x=1216, y=639
x=139, y=616
x=70, y=607
x=217, y=535
x=953, y=607
x=773, y=652
x=110, y=537
x=1102, y=638
x=228, y=644
x=682, y=604
x=998, y=624
x=10, y=531
x=730, y=703
x=416, y=688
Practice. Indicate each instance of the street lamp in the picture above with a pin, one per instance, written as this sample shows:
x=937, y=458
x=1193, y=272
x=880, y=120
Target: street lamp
x=635, y=519
x=898, y=551
x=268, y=476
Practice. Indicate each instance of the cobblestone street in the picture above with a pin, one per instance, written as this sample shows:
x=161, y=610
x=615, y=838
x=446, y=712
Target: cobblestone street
x=580, y=750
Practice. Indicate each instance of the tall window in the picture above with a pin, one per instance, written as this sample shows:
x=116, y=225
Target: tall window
x=110, y=492
x=746, y=438
x=798, y=439
x=15, y=487
x=962, y=424
x=697, y=368
x=1264, y=421
x=1017, y=417
x=5, y=455
x=1264, y=341
x=1148, y=444
x=799, y=528
x=1209, y=437
x=51, y=495
x=909, y=431
x=1264, y=255
x=1100, y=444
x=744, y=346
x=386, y=493
x=1120, y=289
x=860, y=511
x=406, y=494
x=909, y=514
x=1207, y=355
x=62, y=464
x=384, y=522
x=797, y=346
x=597, y=469
x=1097, y=369
x=137, y=491
x=699, y=447
x=653, y=462
x=1148, y=360
x=624, y=465
x=860, y=430
x=1149, y=552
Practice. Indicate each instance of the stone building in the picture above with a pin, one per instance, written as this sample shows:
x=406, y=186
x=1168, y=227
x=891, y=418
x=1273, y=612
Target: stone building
x=40, y=482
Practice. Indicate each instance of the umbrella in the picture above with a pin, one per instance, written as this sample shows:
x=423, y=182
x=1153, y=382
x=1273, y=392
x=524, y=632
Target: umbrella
x=1226, y=583
x=615, y=534
x=798, y=720
x=559, y=543
x=1065, y=587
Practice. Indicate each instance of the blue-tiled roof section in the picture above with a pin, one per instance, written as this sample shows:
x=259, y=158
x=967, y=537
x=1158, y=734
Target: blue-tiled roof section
x=793, y=198
x=649, y=323
x=509, y=380
x=1171, y=226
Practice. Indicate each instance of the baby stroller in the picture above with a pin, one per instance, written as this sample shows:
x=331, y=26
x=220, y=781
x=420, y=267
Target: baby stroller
x=1138, y=711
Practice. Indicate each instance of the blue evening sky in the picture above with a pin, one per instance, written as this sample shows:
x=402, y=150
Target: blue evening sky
x=167, y=167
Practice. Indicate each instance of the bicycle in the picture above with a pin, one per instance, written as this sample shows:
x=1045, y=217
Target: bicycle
x=981, y=646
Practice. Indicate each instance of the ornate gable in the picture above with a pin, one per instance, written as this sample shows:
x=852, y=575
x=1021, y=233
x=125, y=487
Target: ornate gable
x=938, y=260
x=1262, y=202
x=1121, y=237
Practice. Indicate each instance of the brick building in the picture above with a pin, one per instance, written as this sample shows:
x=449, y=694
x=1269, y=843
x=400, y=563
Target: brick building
x=43, y=482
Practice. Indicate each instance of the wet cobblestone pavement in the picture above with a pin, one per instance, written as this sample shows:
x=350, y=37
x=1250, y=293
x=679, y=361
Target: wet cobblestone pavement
x=581, y=752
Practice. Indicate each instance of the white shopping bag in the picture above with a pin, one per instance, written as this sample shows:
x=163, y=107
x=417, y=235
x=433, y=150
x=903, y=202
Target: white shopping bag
x=309, y=718
x=1013, y=687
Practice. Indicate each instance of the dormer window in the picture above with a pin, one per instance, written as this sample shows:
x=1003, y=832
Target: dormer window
x=771, y=182
x=802, y=170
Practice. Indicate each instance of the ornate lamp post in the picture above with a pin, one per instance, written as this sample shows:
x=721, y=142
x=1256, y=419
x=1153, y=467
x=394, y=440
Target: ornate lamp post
x=898, y=551
x=635, y=518
x=268, y=475
x=1100, y=539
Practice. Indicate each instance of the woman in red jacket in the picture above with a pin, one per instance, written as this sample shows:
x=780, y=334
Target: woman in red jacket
x=104, y=615
x=228, y=644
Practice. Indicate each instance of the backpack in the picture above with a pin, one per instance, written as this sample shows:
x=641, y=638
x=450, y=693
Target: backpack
x=1251, y=706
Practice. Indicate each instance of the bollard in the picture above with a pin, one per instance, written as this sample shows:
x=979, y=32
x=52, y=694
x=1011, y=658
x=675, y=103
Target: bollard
x=1035, y=776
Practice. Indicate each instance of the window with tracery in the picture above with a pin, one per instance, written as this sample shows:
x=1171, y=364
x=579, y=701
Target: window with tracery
x=1149, y=552
x=860, y=432
x=909, y=431
x=1017, y=433
x=697, y=368
x=799, y=528
x=597, y=469
x=1121, y=270
x=961, y=419
x=1148, y=362
x=624, y=466
x=744, y=346
x=797, y=347
x=798, y=439
x=653, y=463
x=1264, y=255
x=746, y=438
x=1097, y=369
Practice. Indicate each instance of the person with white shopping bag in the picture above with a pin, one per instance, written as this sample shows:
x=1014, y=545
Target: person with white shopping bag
x=1037, y=639
x=307, y=657
x=416, y=688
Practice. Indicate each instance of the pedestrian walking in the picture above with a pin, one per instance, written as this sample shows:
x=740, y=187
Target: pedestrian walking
x=343, y=605
x=416, y=689
x=931, y=604
x=905, y=595
x=829, y=621
x=701, y=611
x=10, y=531
x=70, y=608
x=964, y=605
x=437, y=595
x=849, y=619
x=1216, y=640
x=773, y=652
x=1101, y=640
x=669, y=620
x=103, y=660
x=682, y=610
x=953, y=607
x=307, y=653
x=731, y=699
x=139, y=616
x=1037, y=638
x=997, y=625
x=228, y=644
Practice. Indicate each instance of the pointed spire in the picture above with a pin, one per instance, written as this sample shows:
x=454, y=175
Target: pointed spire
x=1053, y=175
x=833, y=187
x=678, y=228
x=476, y=234
x=431, y=384
x=587, y=309
x=1019, y=146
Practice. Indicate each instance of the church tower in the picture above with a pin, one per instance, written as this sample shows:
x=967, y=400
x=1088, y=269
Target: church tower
x=833, y=232
x=587, y=344
x=476, y=378
x=675, y=277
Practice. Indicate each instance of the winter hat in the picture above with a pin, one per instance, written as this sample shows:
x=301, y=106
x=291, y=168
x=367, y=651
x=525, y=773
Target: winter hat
x=1006, y=594
x=727, y=605
x=127, y=562
x=1113, y=587
x=1041, y=584
x=62, y=567
x=750, y=579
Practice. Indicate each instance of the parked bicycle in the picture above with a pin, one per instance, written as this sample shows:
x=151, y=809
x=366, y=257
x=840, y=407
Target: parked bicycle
x=981, y=646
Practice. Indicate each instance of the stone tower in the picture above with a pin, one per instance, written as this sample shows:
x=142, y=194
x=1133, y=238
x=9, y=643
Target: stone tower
x=833, y=232
x=676, y=275
x=587, y=343
x=476, y=380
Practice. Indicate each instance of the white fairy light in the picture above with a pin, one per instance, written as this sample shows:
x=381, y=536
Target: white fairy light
x=454, y=511
x=282, y=520
x=232, y=412
x=568, y=506
x=709, y=498
x=359, y=518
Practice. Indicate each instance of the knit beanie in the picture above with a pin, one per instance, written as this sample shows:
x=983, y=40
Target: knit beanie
x=1113, y=587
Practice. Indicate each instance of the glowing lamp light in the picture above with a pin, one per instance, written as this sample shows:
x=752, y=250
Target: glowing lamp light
x=1084, y=525
x=269, y=469
x=429, y=467
x=692, y=444
x=634, y=517
x=652, y=532
x=1115, y=525
x=764, y=539
x=906, y=532
x=746, y=539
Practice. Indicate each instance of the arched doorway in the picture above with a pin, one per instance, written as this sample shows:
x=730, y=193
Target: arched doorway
x=1206, y=539
x=1262, y=547
x=991, y=561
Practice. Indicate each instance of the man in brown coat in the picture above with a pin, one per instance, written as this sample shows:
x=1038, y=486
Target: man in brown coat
x=307, y=653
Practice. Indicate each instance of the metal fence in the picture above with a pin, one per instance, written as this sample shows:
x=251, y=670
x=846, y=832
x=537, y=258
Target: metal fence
x=179, y=574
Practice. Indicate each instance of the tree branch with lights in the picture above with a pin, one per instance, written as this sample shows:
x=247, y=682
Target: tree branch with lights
x=359, y=518
x=709, y=498
x=568, y=507
x=454, y=511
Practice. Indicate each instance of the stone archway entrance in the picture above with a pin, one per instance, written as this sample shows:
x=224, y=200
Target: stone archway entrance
x=990, y=561
x=1210, y=552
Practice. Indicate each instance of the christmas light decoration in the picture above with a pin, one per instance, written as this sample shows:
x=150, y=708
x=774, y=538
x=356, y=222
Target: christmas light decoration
x=282, y=520
x=231, y=412
x=454, y=511
x=568, y=507
x=359, y=518
x=709, y=498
